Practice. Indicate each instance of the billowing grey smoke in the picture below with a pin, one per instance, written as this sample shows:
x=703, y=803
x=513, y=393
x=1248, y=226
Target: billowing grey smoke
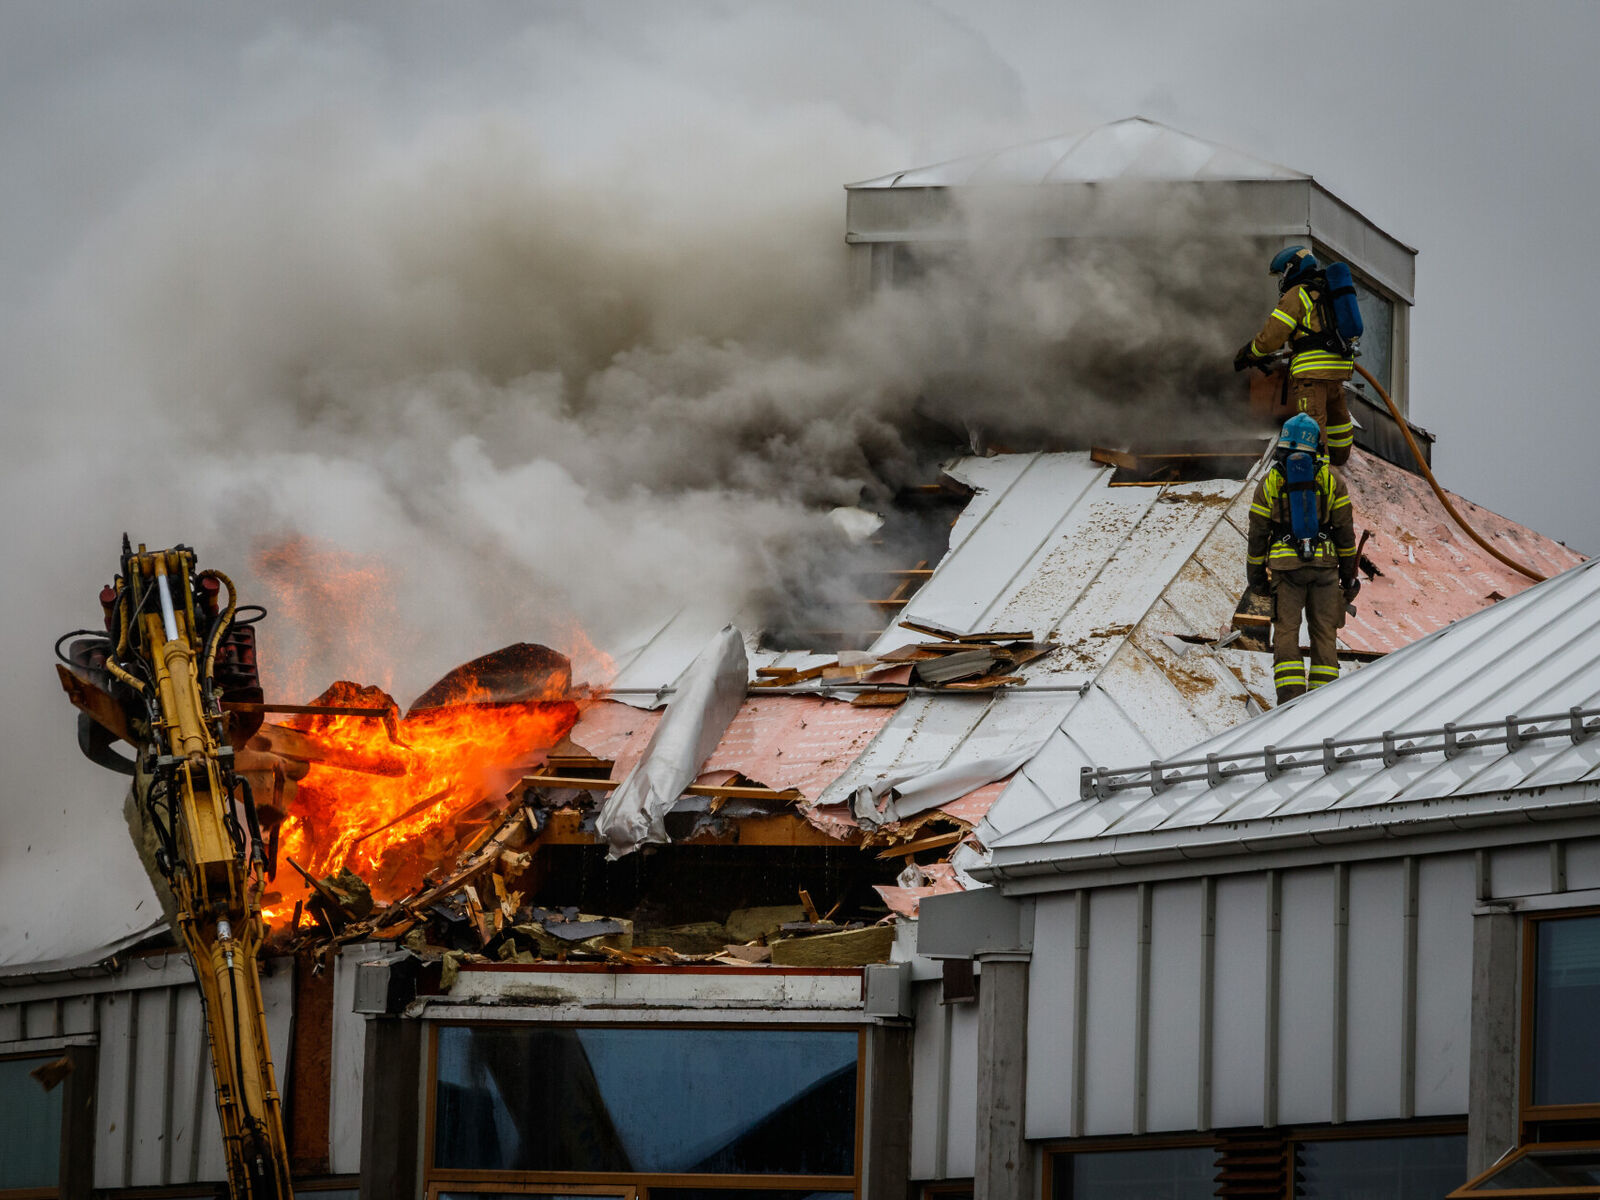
x=431, y=390
x=541, y=402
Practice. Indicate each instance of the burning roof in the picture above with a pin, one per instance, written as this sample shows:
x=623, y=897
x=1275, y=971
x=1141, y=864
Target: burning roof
x=1075, y=619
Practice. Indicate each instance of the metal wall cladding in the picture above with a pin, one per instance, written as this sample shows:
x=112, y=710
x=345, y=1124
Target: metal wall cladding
x=944, y=1086
x=1327, y=993
x=155, y=1101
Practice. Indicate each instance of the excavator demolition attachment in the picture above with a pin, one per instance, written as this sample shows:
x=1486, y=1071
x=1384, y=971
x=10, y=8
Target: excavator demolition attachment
x=173, y=654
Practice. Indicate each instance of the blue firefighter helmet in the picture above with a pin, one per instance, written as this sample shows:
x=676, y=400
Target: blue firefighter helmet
x=1300, y=433
x=1293, y=264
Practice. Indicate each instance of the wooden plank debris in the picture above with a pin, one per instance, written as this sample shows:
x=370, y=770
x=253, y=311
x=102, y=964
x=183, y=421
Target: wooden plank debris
x=986, y=684
x=921, y=844
x=309, y=710
x=886, y=699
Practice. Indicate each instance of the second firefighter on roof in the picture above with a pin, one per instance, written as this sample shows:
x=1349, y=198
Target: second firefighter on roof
x=1303, y=548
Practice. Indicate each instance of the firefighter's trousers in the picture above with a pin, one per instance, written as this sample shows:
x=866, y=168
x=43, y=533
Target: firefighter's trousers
x=1324, y=400
x=1315, y=592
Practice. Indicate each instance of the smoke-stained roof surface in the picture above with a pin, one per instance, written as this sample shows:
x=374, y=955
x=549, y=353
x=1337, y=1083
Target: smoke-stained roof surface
x=1534, y=655
x=1131, y=585
x=1135, y=148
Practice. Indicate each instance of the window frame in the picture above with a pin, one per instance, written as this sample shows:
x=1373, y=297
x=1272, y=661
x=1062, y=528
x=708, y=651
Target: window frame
x=1398, y=385
x=1054, y=1150
x=1344, y=1133
x=1466, y=1192
x=577, y=1189
x=1291, y=1136
x=74, y=1170
x=628, y=1184
x=1529, y=1113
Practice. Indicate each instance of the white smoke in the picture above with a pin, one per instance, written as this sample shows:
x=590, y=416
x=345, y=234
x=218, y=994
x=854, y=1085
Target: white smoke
x=565, y=346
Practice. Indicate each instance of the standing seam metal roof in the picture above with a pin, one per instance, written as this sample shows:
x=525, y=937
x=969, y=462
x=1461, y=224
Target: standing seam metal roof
x=1534, y=654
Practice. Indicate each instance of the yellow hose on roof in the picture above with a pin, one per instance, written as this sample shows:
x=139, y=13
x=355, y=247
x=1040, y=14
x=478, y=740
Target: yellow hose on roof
x=1422, y=465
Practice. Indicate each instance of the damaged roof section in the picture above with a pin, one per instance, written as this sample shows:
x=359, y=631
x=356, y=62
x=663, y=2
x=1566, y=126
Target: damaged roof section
x=1075, y=619
x=1072, y=620
x=1177, y=679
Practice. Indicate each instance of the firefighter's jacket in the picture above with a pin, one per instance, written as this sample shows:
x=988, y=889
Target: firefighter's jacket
x=1271, y=541
x=1297, y=322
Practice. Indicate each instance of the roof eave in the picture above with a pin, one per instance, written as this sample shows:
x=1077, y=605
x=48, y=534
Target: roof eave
x=1220, y=849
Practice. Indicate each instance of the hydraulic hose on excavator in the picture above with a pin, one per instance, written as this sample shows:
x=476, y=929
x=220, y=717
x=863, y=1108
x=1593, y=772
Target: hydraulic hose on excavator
x=1422, y=465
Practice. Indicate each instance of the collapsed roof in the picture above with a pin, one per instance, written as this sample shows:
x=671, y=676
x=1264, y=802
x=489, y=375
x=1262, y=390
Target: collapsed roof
x=1133, y=588
x=1077, y=619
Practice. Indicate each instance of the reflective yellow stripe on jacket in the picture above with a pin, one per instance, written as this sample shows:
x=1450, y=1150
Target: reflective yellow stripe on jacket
x=1306, y=361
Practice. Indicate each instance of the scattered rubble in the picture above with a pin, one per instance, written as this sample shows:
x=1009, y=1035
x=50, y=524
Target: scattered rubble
x=502, y=894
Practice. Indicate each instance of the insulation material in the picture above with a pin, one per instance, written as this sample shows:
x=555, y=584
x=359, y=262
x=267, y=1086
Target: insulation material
x=706, y=698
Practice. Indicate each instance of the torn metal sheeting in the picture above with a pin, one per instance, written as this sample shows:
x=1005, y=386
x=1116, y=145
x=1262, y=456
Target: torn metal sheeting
x=708, y=697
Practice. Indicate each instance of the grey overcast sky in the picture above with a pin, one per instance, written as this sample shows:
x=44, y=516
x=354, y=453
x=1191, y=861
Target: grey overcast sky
x=164, y=158
x=1466, y=129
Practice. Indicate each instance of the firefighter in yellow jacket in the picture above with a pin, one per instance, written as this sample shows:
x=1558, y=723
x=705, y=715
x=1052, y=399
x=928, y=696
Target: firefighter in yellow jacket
x=1318, y=369
x=1302, y=538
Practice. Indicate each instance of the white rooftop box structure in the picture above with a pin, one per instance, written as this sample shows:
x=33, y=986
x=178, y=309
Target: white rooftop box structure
x=1115, y=181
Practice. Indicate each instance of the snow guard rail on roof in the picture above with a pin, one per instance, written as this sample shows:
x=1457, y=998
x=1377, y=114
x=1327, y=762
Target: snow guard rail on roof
x=1098, y=783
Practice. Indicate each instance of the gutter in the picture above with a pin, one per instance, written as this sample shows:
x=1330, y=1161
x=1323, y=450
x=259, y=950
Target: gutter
x=1318, y=832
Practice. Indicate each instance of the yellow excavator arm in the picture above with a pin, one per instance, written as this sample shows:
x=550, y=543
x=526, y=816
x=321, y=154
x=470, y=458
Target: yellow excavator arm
x=153, y=679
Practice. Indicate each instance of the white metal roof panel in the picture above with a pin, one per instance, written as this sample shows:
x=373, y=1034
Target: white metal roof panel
x=1532, y=655
x=1046, y=545
x=1134, y=148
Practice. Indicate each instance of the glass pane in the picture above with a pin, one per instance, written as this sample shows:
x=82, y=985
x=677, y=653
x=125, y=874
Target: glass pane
x=742, y=1194
x=518, y=1196
x=1566, y=1037
x=724, y=1101
x=1180, y=1173
x=1397, y=1168
x=1377, y=340
x=1543, y=1169
x=30, y=1126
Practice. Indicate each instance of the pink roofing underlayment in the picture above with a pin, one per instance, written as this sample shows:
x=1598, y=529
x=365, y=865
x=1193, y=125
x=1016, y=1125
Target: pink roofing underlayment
x=1432, y=573
x=779, y=741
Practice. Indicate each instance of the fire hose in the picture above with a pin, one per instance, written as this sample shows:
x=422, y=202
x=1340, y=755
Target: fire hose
x=1444, y=499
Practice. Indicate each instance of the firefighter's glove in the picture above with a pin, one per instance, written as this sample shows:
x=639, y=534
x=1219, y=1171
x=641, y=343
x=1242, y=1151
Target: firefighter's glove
x=1352, y=588
x=1245, y=358
x=1256, y=579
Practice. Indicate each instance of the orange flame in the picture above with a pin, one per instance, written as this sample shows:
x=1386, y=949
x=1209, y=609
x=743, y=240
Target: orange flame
x=410, y=805
x=391, y=800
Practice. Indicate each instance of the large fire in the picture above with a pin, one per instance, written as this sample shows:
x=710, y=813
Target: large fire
x=393, y=799
x=394, y=828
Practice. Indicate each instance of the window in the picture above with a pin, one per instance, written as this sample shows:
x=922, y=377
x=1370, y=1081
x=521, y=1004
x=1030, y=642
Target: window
x=530, y=1192
x=1390, y=1168
x=1377, y=340
x=1551, y=1171
x=1172, y=1173
x=30, y=1125
x=1565, y=1054
x=684, y=1106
